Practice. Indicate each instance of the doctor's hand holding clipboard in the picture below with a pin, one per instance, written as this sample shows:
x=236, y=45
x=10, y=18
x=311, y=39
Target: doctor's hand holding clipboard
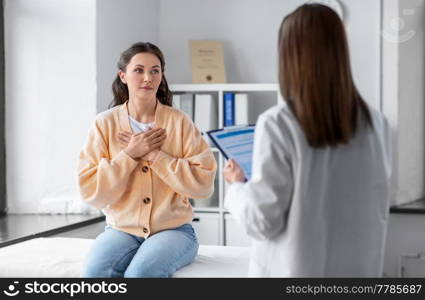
x=232, y=172
x=236, y=145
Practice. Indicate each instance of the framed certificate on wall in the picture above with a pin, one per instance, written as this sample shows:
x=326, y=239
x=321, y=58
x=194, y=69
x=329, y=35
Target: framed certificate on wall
x=207, y=61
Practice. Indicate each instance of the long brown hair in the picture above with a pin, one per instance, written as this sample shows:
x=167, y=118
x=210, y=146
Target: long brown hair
x=315, y=76
x=120, y=90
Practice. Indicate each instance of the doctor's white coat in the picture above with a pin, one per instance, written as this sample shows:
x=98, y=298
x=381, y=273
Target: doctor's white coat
x=315, y=212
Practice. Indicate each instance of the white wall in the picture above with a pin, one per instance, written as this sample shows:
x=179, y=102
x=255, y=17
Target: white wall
x=403, y=94
x=411, y=105
x=50, y=92
x=249, y=28
x=120, y=24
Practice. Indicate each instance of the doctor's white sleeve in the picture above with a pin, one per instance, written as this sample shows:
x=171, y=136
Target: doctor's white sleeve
x=261, y=204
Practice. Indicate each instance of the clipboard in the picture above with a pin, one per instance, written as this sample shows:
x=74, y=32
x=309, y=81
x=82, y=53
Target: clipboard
x=236, y=142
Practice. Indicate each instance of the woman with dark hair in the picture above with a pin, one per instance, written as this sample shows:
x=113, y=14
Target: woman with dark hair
x=142, y=162
x=317, y=202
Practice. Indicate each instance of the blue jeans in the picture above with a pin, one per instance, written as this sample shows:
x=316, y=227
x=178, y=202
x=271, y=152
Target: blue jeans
x=120, y=254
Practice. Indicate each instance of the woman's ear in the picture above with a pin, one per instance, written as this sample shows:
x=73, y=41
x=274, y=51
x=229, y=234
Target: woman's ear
x=121, y=74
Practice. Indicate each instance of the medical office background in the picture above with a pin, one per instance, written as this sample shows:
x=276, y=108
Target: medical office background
x=60, y=59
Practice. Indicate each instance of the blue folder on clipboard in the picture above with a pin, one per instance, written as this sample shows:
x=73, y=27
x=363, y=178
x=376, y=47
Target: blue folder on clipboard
x=237, y=143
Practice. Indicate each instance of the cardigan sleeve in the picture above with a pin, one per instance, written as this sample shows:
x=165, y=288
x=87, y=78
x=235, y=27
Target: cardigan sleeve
x=192, y=175
x=101, y=180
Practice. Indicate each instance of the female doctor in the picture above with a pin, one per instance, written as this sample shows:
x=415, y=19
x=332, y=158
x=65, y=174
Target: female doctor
x=317, y=202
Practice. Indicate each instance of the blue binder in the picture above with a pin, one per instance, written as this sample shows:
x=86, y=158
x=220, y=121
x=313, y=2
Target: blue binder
x=229, y=109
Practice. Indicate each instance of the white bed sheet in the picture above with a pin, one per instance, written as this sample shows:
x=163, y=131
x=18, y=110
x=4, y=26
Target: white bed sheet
x=64, y=257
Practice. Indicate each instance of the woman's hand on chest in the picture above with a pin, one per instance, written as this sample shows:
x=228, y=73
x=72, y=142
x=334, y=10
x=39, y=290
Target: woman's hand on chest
x=141, y=145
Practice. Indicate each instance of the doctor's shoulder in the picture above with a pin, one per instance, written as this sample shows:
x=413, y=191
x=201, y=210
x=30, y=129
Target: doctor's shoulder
x=381, y=130
x=279, y=116
x=380, y=122
x=279, y=125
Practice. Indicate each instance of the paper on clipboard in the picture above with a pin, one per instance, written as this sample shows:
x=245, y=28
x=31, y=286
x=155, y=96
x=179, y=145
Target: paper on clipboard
x=236, y=143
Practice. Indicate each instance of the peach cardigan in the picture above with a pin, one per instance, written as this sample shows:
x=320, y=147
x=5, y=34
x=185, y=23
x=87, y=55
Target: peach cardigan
x=140, y=197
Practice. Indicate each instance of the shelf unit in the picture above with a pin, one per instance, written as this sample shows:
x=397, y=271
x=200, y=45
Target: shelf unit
x=269, y=93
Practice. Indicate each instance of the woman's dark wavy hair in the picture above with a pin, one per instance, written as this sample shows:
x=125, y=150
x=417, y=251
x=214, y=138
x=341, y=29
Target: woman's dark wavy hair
x=120, y=90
